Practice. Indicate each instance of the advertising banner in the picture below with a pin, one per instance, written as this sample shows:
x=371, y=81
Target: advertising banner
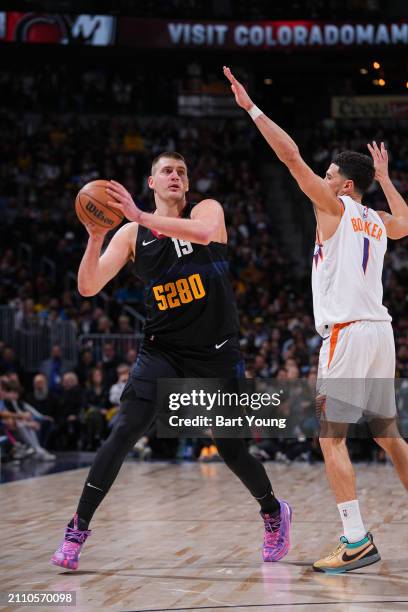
x=360, y=107
x=266, y=35
x=95, y=30
x=166, y=34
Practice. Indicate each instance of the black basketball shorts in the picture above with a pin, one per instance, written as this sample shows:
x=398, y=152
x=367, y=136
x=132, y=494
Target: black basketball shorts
x=159, y=360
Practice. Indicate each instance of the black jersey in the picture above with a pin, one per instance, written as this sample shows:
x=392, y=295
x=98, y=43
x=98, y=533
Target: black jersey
x=188, y=292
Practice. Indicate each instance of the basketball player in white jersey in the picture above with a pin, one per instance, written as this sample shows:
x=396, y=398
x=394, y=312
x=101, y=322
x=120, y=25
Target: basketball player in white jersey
x=358, y=343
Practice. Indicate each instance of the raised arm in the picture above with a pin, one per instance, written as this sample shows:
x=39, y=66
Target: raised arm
x=205, y=224
x=288, y=152
x=95, y=269
x=397, y=223
x=207, y=218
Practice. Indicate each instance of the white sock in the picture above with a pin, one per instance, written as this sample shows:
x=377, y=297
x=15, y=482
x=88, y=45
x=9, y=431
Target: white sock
x=353, y=526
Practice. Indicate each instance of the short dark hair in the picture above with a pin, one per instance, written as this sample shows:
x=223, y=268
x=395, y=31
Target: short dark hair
x=357, y=167
x=170, y=155
x=9, y=385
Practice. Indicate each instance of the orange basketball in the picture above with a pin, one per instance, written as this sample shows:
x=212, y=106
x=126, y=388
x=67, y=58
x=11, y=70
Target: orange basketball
x=91, y=206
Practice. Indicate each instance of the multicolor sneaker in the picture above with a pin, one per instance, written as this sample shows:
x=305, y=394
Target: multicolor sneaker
x=69, y=551
x=349, y=556
x=277, y=533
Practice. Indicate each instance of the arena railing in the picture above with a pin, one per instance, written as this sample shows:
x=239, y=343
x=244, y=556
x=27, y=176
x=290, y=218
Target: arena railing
x=103, y=299
x=122, y=343
x=32, y=338
x=138, y=319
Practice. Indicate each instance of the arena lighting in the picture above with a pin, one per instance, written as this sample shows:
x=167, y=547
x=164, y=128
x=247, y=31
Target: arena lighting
x=406, y=84
x=376, y=65
x=268, y=81
x=363, y=71
x=375, y=82
x=381, y=82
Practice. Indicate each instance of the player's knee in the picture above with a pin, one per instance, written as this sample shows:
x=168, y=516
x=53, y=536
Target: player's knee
x=230, y=450
x=330, y=443
x=387, y=443
x=124, y=434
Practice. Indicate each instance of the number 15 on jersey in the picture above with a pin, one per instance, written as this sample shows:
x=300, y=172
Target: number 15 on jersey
x=183, y=247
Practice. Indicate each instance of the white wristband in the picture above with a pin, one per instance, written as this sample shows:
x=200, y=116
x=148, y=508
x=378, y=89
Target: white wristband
x=254, y=112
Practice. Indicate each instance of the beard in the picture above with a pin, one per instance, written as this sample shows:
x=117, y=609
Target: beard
x=40, y=394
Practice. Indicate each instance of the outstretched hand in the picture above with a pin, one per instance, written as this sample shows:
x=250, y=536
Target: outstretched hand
x=380, y=159
x=241, y=96
x=123, y=201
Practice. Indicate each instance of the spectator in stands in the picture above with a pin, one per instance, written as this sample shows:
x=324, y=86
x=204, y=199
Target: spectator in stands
x=86, y=363
x=131, y=357
x=261, y=367
x=15, y=378
x=8, y=442
x=85, y=317
x=27, y=315
x=104, y=325
x=109, y=363
x=96, y=315
x=45, y=402
x=70, y=410
x=10, y=446
x=28, y=419
x=116, y=389
x=124, y=326
x=96, y=407
x=9, y=363
x=54, y=368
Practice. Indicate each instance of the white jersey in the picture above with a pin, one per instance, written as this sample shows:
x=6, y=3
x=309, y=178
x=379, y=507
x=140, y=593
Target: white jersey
x=347, y=270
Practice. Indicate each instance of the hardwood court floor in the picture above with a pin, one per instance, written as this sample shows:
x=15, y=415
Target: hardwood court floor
x=187, y=537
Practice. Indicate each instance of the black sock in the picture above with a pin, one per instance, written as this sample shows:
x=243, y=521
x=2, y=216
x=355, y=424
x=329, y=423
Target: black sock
x=269, y=504
x=82, y=524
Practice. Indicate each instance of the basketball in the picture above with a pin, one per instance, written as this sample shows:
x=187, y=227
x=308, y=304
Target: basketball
x=91, y=206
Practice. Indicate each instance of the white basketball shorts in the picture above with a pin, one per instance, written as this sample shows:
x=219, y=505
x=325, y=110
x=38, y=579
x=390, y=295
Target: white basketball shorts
x=357, y=371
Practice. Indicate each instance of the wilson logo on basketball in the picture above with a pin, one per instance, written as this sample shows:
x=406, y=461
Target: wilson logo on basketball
x=96, y=212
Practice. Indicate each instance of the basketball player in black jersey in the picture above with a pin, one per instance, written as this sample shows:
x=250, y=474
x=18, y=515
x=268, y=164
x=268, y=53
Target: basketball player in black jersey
x=191, y=330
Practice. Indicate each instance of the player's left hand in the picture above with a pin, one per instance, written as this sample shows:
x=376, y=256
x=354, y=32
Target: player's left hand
x=380, y=158
x=123, y=201
x=241, y=96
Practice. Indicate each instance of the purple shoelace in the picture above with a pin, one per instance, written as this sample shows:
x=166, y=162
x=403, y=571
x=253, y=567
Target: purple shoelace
x=272, y=530
x=76, y=535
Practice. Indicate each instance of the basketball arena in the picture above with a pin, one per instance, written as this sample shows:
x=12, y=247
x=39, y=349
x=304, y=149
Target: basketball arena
x=203, y=305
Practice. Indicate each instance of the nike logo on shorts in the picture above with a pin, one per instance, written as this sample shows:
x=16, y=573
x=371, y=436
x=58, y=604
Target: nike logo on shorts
x=144, y=243
x=218, y=346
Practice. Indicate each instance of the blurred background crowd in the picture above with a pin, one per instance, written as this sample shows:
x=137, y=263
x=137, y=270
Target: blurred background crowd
x=64, y=359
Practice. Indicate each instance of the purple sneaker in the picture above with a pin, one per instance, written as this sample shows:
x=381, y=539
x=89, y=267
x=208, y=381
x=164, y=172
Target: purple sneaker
x=276, y=539
x=69, y=551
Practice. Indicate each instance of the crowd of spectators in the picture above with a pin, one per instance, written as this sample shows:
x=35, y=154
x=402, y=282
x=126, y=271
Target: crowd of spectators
x=56, y=87
x=59, y=412
x=68, y=405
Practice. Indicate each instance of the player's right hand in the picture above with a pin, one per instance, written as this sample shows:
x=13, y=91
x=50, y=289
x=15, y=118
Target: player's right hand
x=96, y=231
x=380, y=159
x=241, y=96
